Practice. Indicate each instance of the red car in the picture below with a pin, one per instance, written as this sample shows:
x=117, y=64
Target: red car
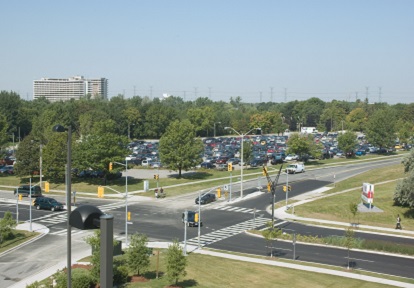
x=222, y=160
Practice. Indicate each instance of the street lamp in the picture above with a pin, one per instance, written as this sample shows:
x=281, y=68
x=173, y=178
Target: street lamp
x=241, y=157
x=60, y=128
x=215, y=127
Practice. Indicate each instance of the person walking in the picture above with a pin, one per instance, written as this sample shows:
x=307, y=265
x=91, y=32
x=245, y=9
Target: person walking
x=398, y=222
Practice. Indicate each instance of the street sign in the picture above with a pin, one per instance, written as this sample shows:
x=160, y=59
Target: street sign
x=226, y=187
x=130, y=223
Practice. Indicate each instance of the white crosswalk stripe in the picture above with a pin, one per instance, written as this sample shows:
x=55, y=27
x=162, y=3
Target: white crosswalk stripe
x=227, y=232
x=237, y=209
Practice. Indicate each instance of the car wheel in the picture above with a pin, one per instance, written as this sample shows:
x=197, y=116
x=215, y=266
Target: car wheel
x=37, y=207
x=52, y=209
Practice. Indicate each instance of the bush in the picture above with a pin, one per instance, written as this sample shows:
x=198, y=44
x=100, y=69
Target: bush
x=81, y=278
x=120, y=275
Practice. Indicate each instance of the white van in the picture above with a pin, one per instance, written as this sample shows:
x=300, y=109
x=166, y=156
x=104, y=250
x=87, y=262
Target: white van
x=295, y=168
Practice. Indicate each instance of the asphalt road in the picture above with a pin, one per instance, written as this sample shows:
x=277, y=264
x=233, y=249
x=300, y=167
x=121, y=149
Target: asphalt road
x=224, y=224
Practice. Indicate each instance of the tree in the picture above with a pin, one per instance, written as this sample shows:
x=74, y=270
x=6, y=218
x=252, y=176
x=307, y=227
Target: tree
x=303, y=145
x=28, y=157
x=356, y=119
x=7, y=224
x=4, y=137
x=349, y=240
x=176, y=262
x=94, y=241
x=55, y=155
x=138, y=254
x=179, y=149
x=408, y=162
x=381, y=128
x=404, y=191
x=347, y=142
x=353, y=208
x=270, y=234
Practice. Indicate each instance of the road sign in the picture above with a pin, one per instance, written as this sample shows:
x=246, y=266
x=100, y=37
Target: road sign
x=226, y=187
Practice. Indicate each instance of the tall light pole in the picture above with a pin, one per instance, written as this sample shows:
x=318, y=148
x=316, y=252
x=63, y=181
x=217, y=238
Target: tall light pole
x=126, y=203
x=241, y=152
x=60, y=128
x=215, y=127
x=40, y=165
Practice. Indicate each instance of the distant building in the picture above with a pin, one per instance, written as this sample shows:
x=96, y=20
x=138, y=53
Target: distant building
x=57, y=89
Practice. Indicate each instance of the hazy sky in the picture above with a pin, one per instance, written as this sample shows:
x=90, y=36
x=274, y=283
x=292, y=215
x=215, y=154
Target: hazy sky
x=217, y=48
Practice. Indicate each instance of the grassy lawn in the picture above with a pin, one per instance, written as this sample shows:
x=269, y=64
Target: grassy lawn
x=336, y=208
x=209, y=271
x=20, y=237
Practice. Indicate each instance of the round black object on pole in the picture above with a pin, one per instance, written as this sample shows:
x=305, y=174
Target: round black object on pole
x=58, y=128
x=85, y=217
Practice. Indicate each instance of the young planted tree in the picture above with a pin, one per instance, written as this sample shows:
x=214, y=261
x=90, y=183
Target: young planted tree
x=138, y=254
x=349, y=240
x=270, y=234
x=176, y=262
x=353, y=207
x=347, y=142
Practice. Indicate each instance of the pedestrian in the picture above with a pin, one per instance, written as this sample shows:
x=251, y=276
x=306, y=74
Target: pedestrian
x=398, y=222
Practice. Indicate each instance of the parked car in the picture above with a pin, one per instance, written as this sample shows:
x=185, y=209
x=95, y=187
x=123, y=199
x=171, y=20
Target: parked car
x=221, y=167
x=26, y=190
x=222, y=160
x=256, y=162
x=207, y=165
x=47, y=203
x=291, y=157
x=234, y=161
x=206, y=198
x=360, y=152
x=7, y=170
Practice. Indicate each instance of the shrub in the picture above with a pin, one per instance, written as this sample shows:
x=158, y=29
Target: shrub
x=120, y=275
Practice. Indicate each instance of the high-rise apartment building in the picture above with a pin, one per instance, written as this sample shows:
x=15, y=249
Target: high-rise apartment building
x=55, y=89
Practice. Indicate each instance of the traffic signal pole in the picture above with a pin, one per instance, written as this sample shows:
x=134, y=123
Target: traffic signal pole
x=273, y=185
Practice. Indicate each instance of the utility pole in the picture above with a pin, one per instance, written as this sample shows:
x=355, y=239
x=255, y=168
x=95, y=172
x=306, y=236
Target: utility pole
x=366, y=93
x=195, y=92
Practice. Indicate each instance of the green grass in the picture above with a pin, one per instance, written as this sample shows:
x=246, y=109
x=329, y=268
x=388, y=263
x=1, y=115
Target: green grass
x=208, y=271
x=19, y=237
x=336, y=207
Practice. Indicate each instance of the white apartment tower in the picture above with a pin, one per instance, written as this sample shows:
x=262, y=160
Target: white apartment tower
x=56, y=89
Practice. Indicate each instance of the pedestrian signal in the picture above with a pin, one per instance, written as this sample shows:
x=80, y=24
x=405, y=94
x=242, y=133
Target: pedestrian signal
x=110, y=166
x=269, y=187
x=20, y=197
x=156, y=176
x=229, y=167
x=289, y=188
x=101, y=192
x=196, y=217
x=284, y=188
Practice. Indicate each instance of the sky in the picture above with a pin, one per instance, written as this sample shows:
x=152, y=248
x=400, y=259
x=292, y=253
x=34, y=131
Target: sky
x=261, y=50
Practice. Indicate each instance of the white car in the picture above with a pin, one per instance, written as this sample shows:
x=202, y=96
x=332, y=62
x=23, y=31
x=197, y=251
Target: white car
x=291, y=157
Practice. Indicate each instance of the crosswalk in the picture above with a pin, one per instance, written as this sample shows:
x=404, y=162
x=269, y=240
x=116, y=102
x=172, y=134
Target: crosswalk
x=227, y=232
x=61, y=217
x=237, y=209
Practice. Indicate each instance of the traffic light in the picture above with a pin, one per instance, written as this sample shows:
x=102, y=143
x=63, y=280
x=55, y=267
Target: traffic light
x=196, y=217
x=264, y=171
x=110, y=166
x=20, y=197
x=219, y=192
x=156, y=176
x=129, y=216
x=269, y=187
x=289, y=188
x=47, y=186
x=229, y=167
x=284, y=188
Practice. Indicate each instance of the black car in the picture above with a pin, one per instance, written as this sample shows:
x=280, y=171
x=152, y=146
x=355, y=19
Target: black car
x=206, y=198
x=256, y=162
x=207, y=165
x=47, y=203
